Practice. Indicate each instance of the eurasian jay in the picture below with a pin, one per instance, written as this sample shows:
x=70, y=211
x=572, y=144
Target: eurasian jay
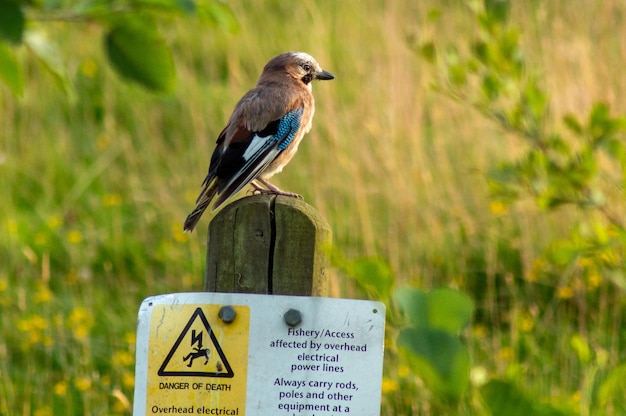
x=263, y=133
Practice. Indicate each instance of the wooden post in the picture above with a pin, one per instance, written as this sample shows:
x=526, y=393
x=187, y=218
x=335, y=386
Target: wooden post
x=268, y=244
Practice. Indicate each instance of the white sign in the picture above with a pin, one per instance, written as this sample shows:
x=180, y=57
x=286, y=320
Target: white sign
x=258, y=355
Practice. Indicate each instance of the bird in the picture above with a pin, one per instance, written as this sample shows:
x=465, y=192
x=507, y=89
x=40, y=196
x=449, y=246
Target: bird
x=263, y=133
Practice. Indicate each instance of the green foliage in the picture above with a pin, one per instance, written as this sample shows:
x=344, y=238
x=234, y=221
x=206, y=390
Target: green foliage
x=10, y=71
x=436, y=354
x=90, y=212
x=133, y=43
x=582, y=165
x=11, y=22
x=428, y=327
x=47, y=53
x=373, y=275
x=444, y=309
x=578, y=164
x=504, y=398
x=138, y=52
x=556, y=169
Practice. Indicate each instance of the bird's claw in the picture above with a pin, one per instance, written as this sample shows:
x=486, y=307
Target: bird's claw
x=260, y=191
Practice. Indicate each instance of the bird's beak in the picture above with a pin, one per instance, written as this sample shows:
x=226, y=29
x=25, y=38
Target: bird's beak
x=324, y=75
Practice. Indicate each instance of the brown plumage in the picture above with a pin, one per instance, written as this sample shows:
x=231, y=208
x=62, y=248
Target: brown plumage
x=263, y=133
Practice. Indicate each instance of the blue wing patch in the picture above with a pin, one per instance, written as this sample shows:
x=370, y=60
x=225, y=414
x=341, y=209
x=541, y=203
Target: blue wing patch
x=287, y=128
x=264, y=148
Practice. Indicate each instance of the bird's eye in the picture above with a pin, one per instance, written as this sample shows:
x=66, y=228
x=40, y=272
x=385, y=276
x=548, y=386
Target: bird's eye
x=306, y=67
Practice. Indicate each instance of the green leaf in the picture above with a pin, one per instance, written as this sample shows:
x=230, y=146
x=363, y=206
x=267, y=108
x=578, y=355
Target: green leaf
x=573, y=124
x=441, y=309
x=449, y=310
x=439, y=358
x=137, y=51
x=10, y=71
x=599, y=115
x=498, y=10
x=491, y=86
x=433, y=14
x=11, y=22
x=615, y=148
x=219, y=14
x=428, y=51
x=559, y=146
x=413, y=302
x=481, y=51
x=169, y=6
x=581, y=347
x=188, y=6
x=509, y=48
x=374, y=275
x=49, y=56
x=504, y=398
x=536, y=100
x=457, y=74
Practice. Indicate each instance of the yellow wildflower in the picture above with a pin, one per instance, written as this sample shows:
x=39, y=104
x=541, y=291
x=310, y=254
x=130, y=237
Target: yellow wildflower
x=389, y=385
x=403, y=371
x=34, y=323
x=506, y=353
x=498, y=207
x=128, y=380
x=535, y=270
x=80, y=322
x=42, y=295
x=130, y=338
x=74, y=236
x=111, y=200
x=60, y=389
x=43, y=411
x=54, y=222
x=83, y=383
x=89, y=68
x=122, y=358
x=527, y=322
x=178, y=234
x=564, y=292
x=479, y=331
x=594, y=279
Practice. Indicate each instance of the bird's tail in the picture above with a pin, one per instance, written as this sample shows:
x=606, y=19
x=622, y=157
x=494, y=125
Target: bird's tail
x=202, y=203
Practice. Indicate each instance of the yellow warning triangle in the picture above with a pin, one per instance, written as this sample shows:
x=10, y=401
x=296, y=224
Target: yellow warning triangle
x=196, y=352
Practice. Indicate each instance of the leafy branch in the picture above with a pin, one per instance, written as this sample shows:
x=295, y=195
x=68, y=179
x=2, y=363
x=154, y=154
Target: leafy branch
x=133, y=44
x=579, y=162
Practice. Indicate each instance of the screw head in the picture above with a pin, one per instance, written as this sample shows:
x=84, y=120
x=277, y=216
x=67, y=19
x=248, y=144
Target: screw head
x=292, y=317
x=227, y=314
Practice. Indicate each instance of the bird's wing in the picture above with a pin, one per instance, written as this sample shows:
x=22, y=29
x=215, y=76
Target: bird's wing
x=245, y=158
x=204, y=199
x=258, y=131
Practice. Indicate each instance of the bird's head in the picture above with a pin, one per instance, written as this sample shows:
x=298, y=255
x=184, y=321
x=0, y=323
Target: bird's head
x=298, y=65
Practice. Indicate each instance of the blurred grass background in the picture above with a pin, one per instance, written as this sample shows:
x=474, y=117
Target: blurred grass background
x=95, y=187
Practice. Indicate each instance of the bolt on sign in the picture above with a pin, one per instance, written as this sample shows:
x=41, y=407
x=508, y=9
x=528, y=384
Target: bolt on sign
x=258, y=355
